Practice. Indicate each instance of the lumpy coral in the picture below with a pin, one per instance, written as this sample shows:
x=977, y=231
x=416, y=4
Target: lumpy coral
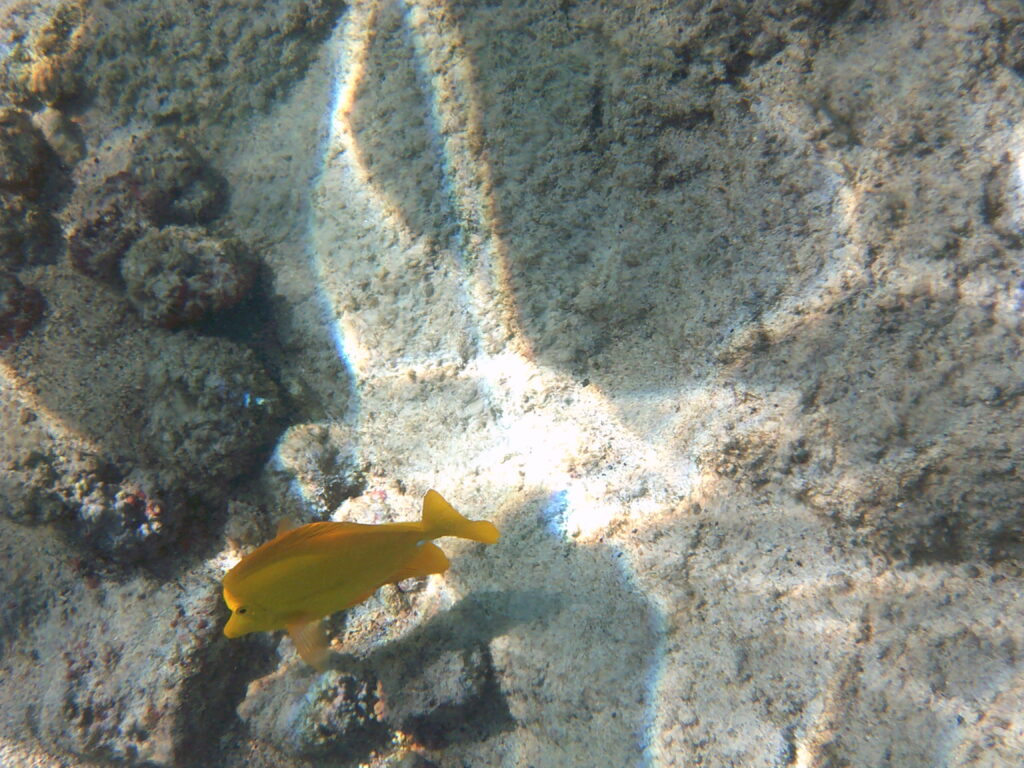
x=176, y=185
x=213, y=410
x=106, y=228
x=177, y=275
x=28, y=234
x=23, y=153
x=129, y=520
x=20, y=308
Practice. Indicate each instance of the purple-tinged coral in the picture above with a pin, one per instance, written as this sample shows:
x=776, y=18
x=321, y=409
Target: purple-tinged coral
x=21, y=307
x=128, y=521
x=106, y=229
x=177, y=275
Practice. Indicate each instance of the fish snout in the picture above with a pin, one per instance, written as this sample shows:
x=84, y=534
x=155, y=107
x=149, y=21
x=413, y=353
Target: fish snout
x=233, y=628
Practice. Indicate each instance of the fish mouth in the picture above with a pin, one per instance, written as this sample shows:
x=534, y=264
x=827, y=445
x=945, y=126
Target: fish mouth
x=232, y=630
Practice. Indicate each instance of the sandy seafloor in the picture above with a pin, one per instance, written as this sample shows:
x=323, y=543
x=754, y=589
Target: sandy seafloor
x=714, y=308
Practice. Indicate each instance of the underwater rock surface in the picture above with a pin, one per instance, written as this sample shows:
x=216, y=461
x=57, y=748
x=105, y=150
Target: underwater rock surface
x=334, y=716
x=108, y=220
x=713, y=308
x=21, y=307
x=211, y=409
x=173, y=183
x=29, y=235
x=177, y=275
x=23, y=153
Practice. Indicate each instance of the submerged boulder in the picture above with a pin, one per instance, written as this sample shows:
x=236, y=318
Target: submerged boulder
x=178, y=275
x=23, y=153
x=21, y=307
x=212, y=408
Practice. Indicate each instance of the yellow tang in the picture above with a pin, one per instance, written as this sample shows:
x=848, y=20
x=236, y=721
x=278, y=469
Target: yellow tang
x=306, y=573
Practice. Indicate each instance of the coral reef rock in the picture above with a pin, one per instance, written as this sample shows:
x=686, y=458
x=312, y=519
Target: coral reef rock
x=322, y=459
x=175, y=184
x=213, y=409
x=64, y=136
x=217, y=63
x=129, y=521
x=440, y=695
x=178, y=275
x=29, y=235
x=46, y=65
x=333, y=714
x=132, y=686
x=109, y=220
x=21, y=307
x=24, y=153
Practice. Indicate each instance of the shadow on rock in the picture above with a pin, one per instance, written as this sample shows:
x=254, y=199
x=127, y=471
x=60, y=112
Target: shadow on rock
x=440, y=680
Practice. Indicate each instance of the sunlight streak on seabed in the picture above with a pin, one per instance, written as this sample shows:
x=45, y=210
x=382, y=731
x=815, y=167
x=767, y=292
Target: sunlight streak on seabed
x=503, y=365
x=543, y=440
x=1015, y=194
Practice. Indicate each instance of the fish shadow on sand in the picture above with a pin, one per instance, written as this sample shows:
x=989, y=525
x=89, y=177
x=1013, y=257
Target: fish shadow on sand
x=439, y=679
x=437, y=684
x=557, y=650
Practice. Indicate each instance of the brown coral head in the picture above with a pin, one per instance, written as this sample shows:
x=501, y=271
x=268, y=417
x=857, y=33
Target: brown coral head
x=21, y=307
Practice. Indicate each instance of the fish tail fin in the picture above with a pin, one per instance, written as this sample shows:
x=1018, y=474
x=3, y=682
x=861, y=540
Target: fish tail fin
x=441, y=519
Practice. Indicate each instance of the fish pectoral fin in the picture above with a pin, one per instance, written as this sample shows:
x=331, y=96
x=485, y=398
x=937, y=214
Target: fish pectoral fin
x=311, y=643
x=428, y=559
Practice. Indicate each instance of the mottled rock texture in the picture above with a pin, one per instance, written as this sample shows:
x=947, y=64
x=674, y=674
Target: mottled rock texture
x=714, y=307
x=177, y=276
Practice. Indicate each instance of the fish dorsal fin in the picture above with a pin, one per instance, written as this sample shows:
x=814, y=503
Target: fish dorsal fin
x=286, y=524
x=442, y=519
x=428, y=559
x=311, y=643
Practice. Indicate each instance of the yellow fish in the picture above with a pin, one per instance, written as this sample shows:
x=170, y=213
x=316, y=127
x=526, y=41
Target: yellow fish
x=306, y=573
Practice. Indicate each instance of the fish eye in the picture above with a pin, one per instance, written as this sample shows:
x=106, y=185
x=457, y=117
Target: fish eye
x=241, y=610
